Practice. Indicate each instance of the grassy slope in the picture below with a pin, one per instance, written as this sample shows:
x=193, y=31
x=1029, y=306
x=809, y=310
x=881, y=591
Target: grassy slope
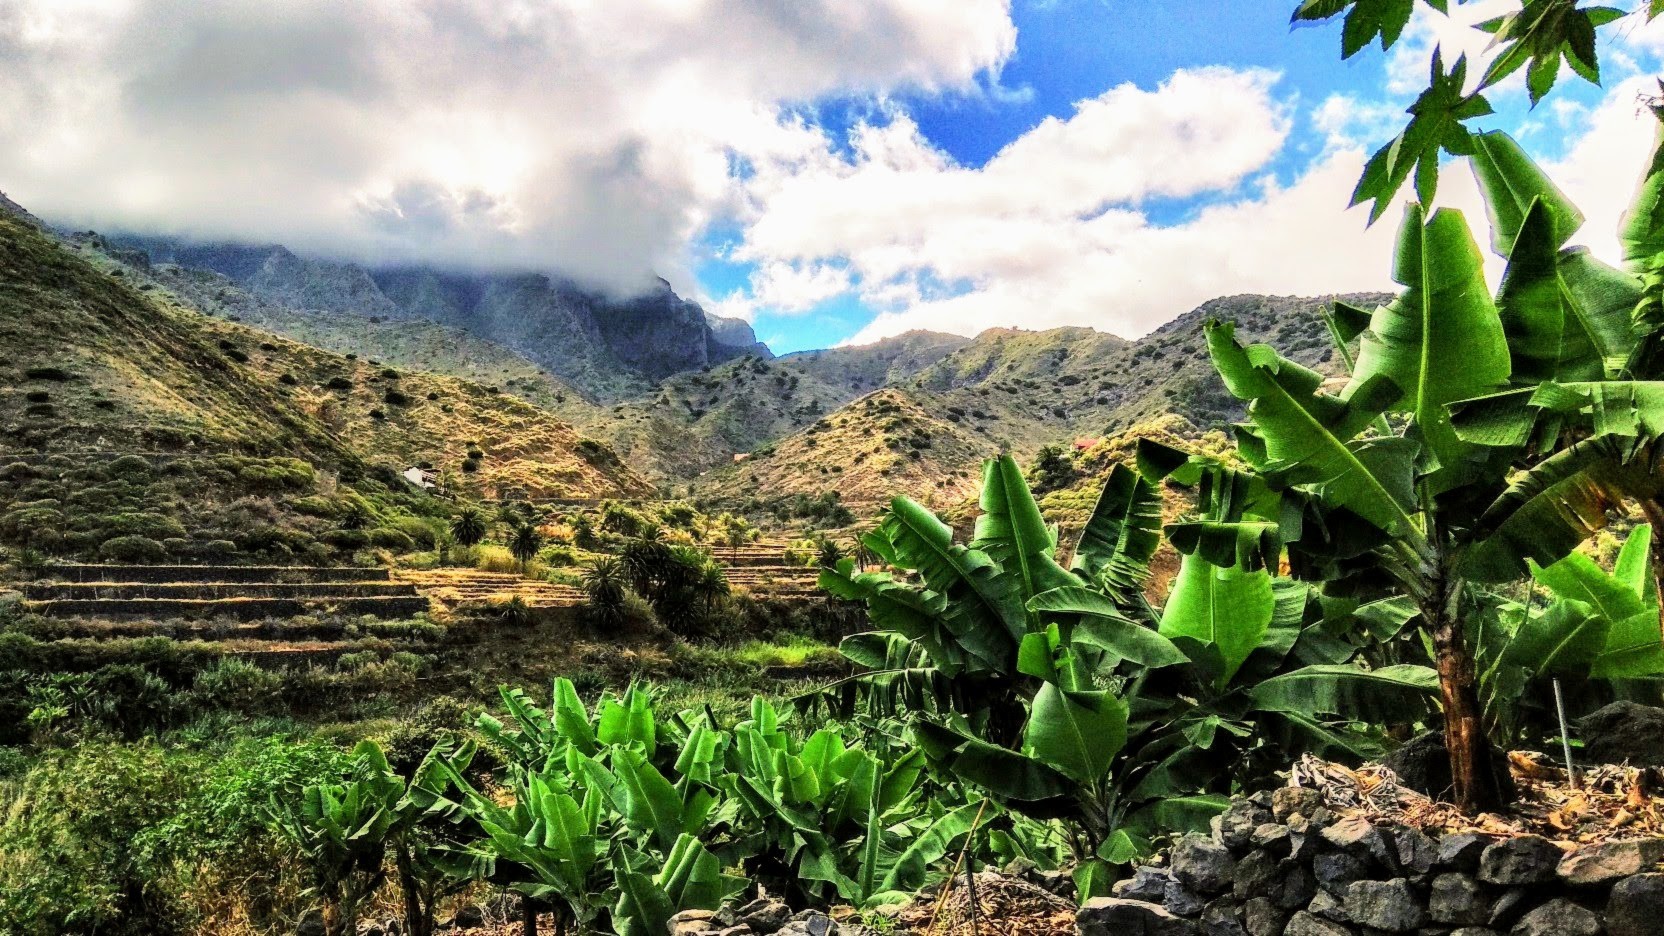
x=885, y=443
x=1016, y=390
x=149, y=373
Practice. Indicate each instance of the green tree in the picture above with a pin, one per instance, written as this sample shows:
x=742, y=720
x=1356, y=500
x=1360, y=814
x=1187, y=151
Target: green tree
x=606, y=586
x=469, y=527
x=525, y=544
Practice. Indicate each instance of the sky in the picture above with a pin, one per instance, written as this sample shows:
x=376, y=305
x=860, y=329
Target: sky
x=833, y=171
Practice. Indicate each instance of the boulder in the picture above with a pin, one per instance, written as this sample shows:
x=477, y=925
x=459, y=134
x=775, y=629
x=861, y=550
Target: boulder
x=1385, y=905
x=1423, y=764
x=1292, y=801
x=1523, y=859
x=694, y=923
x=1201, y=864
x=1329, y=907
x=1304, y=924
x=763, y=915
x=1113, y=916
x=1636, y=906
x=1458, y=899
x=810, y=923
x=468, y=916
x=1335, y=870
x=1362, y=840
x=1416, y=852
x=1237, y=823
x=1597, y=865
x=1460, y=851
x=1182, y=900
x=1221, y=918
x=1148, y=883
x=1273, y=837
x=1559, y=917
x=1623, y=732
x=1261, y=918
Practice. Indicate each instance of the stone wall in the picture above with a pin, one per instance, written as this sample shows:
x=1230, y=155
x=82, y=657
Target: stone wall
x=1282, y=863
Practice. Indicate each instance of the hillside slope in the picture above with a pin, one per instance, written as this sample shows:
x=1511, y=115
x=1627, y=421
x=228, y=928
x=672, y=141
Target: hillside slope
x=1017, y=391
x=94, y=363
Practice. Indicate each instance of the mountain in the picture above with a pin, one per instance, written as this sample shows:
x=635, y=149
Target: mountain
x=95, y=359
x=609, y=348
x=1015, y=390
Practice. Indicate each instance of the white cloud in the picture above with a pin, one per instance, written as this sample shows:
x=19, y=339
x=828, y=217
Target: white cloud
x=589, y=137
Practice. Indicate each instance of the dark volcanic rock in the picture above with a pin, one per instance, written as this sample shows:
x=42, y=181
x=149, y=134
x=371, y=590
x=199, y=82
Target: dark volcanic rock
x=1458, y=899
x=1636, y=906
x=1304, y=924
x=1423, y=765
x=1525, y=859
x=1558, y=917
x=1624, y=732
x=1384, y=905
x=1112, y=916
x=1202, y=864
x=1460, y=851
x=1147, y=883
x=1594, y=865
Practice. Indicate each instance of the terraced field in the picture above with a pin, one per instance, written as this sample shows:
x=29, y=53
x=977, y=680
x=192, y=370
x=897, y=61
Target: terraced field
x=469, y=588
x=240, y=592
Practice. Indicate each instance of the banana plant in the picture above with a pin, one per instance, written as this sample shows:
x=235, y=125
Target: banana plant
x=341, y=831
x=1153, y=755
x=1599, y=629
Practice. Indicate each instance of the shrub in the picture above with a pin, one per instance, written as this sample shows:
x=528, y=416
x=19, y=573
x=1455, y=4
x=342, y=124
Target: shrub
x=38, y=396
x=395, y=398
x=393, y=539
x=378, y=414
x=235, y=683
x=56, y=374
x=339, y=383
x=134, y=549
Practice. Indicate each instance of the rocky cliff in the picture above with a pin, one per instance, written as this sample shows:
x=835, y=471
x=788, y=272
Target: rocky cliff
x=608, y=347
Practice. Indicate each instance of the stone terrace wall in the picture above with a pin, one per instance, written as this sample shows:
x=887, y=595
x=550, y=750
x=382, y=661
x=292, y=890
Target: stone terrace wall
x=1281, y=863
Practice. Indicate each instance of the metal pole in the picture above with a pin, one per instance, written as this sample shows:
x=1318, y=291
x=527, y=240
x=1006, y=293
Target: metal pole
x=1565, y=734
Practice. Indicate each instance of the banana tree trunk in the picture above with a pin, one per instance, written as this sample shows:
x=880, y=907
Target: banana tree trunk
x=1472, y=772
x=1653, y=510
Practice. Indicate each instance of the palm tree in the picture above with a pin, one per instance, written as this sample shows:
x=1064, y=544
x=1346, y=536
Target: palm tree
x=711, y=586
x=829, y=553
x=604, y=586
x=469, y=527
x=524, y=544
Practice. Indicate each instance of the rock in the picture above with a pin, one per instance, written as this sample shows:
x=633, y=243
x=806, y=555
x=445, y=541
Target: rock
x=1595, y=865
x=763, y=915
x=1113, y=916
x=1261, y=918
x=1461, y=851
x=1238, y=822
x=1508, y=908
x=1360, y=839
x=1458, y=899
x=1056, y=882
x=1255, y=875
x=1329, y=907
x=1384, y=905
x=1474, y=931
x=1202, y=865
x=1523, y=859
x=1273, y=837
x=1304, y=924
x=469, y=916
x=1183, y=901
x=1423, y=765
x=1558, y=917
x=1221, y=918
x=1335, y=870
x=1297, y=887
x=694, y=923
x=1417, y=853
x=1623, y=732
x=311, y=924
x=1148, y=883
x=1294, y=801
x=810, y=923
x=1636, y=906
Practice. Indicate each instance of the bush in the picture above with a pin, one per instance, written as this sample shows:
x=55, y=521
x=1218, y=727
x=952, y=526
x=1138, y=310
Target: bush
x=393, y=539
x=133, y=549
x=233, y=683
x=56, y=374
x=339, y=383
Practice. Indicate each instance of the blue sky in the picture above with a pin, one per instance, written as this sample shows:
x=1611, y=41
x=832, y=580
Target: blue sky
x=833, y=170
x=1071, y=50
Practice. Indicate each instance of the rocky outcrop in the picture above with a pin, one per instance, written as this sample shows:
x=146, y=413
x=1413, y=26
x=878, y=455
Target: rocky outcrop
x=608, y=346
x=9, y=207
x=1284, y=864
x=1624, y=733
